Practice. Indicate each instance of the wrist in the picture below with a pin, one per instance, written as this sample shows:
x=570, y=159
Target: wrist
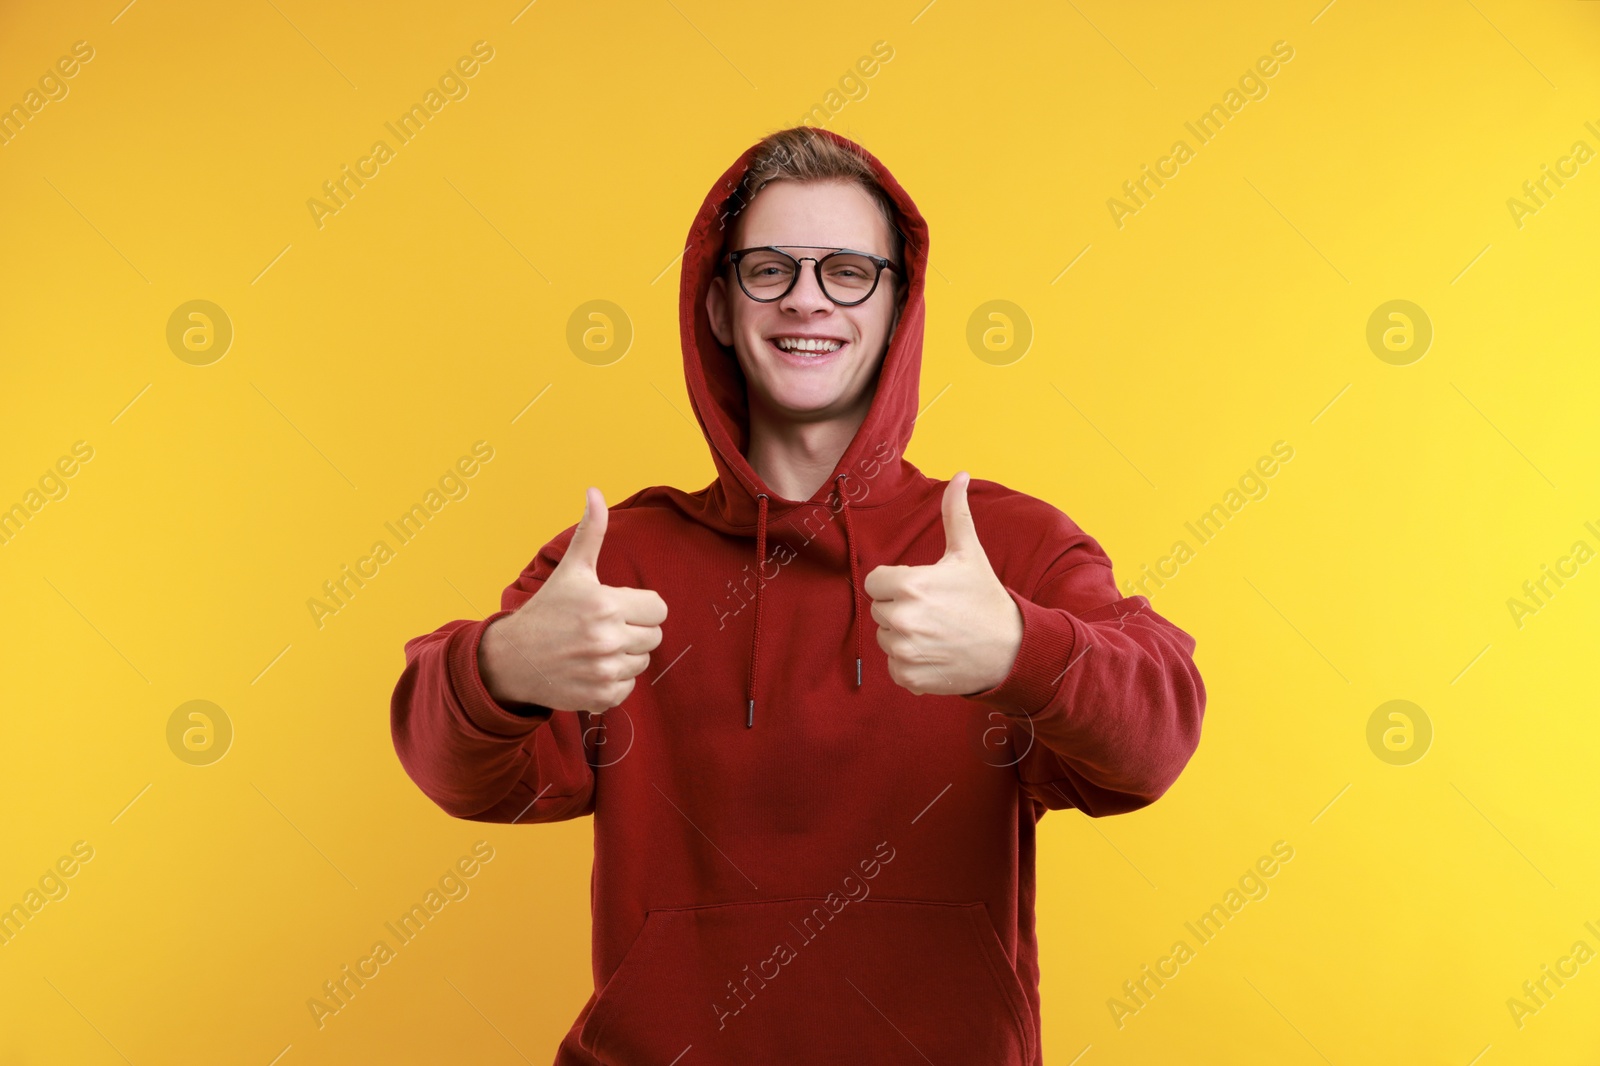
x=1009, y=645
x=491, y=662
x=1000, y=658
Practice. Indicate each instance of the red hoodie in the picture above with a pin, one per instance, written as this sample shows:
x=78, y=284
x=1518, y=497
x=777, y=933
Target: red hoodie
x=795, y=859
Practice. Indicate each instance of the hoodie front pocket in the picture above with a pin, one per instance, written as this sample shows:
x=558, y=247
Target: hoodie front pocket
x=813, y=980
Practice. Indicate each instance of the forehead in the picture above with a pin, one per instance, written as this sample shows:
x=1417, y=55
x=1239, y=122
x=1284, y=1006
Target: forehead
x=832, y=214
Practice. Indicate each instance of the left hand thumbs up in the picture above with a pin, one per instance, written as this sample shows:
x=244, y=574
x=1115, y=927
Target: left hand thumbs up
x=950, y=628
x=960, y=535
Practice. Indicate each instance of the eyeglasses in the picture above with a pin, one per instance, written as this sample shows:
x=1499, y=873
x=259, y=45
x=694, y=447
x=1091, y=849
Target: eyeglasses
x=847, y=277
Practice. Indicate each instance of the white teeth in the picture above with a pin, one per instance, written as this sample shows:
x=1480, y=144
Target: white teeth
x=798, y=344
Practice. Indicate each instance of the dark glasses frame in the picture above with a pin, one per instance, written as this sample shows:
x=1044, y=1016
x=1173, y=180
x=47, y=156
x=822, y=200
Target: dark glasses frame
x=882, y=264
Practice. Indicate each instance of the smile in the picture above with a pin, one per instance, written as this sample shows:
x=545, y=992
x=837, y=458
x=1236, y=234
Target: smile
x=806, y=346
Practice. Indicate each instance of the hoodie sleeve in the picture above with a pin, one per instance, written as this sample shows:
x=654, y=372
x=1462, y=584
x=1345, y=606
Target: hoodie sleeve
x=473, y=756
x=1104, y=699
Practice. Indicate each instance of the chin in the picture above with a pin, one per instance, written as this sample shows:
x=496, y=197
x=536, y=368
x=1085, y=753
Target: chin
x=806, y=401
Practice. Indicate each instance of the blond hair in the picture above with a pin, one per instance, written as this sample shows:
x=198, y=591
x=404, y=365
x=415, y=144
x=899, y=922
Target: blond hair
x=801, y=154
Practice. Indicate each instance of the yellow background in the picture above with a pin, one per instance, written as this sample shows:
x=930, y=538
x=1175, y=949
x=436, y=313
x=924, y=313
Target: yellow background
x=369, y=354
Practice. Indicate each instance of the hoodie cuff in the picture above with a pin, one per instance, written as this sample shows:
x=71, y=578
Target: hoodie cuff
x=466, y=682
x=1049, y=637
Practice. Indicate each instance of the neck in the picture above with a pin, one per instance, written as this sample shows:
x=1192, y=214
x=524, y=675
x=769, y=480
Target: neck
x=796, y=458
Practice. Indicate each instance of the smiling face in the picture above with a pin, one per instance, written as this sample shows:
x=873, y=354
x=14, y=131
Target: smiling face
x=832, y=381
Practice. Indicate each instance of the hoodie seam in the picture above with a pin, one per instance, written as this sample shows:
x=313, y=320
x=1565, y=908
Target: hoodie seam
x=796, y=899
x=775, y=516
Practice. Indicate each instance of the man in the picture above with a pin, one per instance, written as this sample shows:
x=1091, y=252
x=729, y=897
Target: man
x=808, y=849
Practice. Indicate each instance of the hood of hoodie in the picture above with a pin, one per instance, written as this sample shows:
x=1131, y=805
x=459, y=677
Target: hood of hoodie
x=739, y=502
x=716, y=383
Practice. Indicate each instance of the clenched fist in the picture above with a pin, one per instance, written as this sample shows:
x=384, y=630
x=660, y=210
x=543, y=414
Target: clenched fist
x=576, y=645
x=950, y=628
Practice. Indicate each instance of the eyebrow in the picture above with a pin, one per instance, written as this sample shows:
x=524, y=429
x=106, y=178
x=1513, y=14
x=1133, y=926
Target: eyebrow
x=826, y=247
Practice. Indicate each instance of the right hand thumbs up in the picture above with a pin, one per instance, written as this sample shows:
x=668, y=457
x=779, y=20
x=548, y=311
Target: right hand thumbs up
x=583, y=551
x=576, y=645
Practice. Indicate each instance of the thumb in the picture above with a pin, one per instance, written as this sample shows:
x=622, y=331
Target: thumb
x=960, y=535
x=583, y=553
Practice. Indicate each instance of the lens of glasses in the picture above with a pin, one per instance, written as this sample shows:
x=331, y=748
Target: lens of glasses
x=846, y=277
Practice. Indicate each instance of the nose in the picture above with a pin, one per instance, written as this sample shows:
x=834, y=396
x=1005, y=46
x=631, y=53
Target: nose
x=807, y=296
